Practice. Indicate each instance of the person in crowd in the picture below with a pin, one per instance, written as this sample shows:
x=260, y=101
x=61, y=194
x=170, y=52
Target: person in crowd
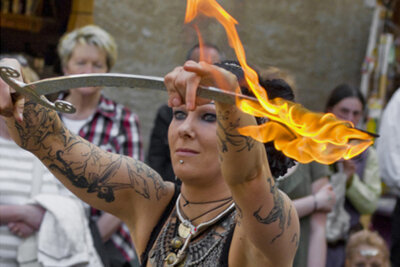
x=228, y=211
x=367, y=249
x=105, y=123
x=356, y=182
x=158, y=156
x=388, y=146
x=307, y=185
x=33, y=229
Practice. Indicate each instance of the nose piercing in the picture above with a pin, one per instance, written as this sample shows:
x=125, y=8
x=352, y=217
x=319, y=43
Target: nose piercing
x=180, y=161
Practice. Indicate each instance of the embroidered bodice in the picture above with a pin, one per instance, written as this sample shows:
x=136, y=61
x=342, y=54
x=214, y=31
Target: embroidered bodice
x=209, y=248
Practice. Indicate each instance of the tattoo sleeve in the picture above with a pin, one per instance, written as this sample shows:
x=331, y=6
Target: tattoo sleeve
x=276, y=214
x=83, y=164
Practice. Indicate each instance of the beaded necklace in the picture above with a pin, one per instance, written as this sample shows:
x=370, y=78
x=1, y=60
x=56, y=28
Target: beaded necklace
x=186, y=231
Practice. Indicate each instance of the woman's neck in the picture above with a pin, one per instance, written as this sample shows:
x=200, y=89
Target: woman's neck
x=212, y=196
x=85, y=105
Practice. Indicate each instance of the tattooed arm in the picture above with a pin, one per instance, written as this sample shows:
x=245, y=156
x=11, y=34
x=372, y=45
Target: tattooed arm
x=268, y=219
x=267, y=232
x=121, y=185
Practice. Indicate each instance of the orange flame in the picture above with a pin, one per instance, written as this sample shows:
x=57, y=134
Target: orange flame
x=299, y=133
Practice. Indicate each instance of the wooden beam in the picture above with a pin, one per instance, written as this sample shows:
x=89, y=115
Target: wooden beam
x=81, y=14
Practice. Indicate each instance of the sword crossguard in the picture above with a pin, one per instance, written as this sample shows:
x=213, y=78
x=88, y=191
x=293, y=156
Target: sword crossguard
x=9, y=76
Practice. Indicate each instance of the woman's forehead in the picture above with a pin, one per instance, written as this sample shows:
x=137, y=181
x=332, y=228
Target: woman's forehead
x=198, y=108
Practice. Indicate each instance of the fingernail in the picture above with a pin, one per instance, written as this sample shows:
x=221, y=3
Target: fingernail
x=190, y=63
x=20, y=117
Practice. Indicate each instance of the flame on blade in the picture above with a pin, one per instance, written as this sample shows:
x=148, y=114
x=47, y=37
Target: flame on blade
x=201, y=46
x=299, y=133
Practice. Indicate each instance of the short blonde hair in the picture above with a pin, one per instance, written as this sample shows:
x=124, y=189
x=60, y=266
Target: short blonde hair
x=91, y=35
x=366, y=237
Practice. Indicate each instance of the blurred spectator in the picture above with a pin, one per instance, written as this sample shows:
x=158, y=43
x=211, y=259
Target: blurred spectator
x=308, y=187
x=366, y=249
x=356, y=182
x=103, y=122
x=388, y=145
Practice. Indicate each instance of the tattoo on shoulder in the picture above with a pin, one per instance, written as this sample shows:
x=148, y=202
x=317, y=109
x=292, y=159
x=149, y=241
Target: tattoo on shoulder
x=295, y=239
x=139, y=180
x=289, y=216
x=276, y=214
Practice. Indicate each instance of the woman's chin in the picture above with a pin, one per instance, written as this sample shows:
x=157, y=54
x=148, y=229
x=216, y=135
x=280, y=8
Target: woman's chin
x=88, y=91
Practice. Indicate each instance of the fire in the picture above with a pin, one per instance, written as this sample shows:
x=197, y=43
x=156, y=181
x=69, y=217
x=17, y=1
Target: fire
x=299, y=133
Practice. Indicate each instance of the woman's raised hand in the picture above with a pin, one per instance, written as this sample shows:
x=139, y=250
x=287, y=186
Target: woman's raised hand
x=11, y=103
x=325, y=198
x=182, y=83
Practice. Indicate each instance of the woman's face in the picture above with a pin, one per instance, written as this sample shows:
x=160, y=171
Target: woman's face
x=193, y=140
x=349, y=109
x=86, y=59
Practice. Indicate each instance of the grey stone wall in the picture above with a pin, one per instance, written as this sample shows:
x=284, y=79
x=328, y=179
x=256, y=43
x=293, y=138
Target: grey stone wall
x=321, y=43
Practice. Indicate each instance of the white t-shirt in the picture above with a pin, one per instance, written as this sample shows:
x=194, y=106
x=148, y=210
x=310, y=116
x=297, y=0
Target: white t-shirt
x=74, y=125
x=388, y=144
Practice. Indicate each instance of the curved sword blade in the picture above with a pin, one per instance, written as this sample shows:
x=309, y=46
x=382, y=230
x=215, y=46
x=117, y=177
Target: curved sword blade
x=36, y=91
x=52, y=85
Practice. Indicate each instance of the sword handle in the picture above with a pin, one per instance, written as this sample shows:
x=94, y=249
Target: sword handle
x=9, y=76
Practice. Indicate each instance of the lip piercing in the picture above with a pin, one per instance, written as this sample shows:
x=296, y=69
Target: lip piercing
x=180, y=161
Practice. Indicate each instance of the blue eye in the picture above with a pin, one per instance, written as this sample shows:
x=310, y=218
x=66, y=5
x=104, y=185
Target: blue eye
x=179, y=115
x=210, y=117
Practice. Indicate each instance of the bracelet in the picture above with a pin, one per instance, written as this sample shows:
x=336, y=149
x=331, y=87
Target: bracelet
x=315, y=203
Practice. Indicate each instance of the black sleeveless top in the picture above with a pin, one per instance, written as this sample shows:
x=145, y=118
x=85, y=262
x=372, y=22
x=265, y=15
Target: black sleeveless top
x=227, y=222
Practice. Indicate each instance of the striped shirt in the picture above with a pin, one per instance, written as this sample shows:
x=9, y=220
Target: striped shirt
x=114, y=128
x=16, y=175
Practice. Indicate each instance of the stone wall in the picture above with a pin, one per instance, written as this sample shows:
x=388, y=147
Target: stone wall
x=321, y=43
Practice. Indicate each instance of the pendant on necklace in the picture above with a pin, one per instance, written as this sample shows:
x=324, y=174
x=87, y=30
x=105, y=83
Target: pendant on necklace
x=183, y=230
x=176, y=243
x=170, y=259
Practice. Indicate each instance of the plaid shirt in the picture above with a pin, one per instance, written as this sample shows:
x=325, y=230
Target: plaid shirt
x=115, y=128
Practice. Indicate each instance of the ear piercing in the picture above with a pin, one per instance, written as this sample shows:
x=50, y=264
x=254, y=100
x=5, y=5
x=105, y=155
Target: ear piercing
x=180, y=161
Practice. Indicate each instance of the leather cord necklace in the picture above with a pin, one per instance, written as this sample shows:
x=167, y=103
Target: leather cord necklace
x=187, y=202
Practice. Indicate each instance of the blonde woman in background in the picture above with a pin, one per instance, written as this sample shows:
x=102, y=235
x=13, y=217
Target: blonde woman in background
x=103, y=122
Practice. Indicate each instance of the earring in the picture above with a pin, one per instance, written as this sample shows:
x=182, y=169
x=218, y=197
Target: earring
x=180, y=161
